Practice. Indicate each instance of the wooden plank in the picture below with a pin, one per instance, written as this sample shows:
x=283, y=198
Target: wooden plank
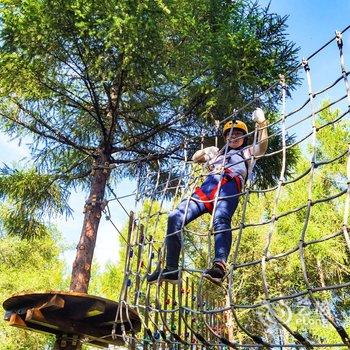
x=186, y=303
x=172, y=318
x=192, y=308
x=17, y=321
x=165, y=316
x=58, y=312
x=87, y=309
x=7, y=315
x=55, y=303
x=138, y=262
x=36, y=316
x=131, y=228
x=97, y=308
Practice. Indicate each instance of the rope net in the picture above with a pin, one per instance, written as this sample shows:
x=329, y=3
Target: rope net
x=287, y=285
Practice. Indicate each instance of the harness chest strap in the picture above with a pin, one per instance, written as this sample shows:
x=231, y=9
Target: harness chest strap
x=209, y=199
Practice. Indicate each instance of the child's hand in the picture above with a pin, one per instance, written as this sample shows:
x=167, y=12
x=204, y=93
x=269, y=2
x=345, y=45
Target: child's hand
x=258, y=116
x=210, y=152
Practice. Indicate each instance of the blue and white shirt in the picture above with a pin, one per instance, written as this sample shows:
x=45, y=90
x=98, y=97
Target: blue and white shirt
x=237, y=161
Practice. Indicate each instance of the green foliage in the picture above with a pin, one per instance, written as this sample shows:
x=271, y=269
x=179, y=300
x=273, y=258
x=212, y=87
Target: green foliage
x=29, y=253
x=334, y=129
x=326, y=262
x=107, y=283
x=82, y=77
x=30, y=198
x=27, y=266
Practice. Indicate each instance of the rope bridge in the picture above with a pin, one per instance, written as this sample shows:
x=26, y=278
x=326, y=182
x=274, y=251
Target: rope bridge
x=198, y=314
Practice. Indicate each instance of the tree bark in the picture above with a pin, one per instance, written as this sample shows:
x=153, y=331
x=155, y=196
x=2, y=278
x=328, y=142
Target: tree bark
x=93, y=208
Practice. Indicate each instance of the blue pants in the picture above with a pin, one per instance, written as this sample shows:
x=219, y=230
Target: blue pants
x=221, y=223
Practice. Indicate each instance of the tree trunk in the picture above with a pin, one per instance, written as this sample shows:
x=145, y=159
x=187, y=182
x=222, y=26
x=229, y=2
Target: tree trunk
x=93, y=208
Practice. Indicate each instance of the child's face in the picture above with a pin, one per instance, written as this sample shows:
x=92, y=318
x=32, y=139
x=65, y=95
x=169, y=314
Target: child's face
x=236, y=140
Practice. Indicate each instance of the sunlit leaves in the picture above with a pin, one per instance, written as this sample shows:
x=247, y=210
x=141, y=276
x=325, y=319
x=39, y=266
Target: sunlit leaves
x=30, y=199
x=102, y=72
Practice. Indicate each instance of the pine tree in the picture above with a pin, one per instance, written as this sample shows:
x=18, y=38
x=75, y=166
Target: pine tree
x=108, y=89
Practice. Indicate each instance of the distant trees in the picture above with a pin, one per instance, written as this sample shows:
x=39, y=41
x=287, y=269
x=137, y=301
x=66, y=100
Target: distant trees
x=326, y=262
x=29, y=253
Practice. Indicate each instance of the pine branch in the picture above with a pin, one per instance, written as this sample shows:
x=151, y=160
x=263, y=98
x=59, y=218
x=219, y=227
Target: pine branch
x=163, y=126
x=150, y=157
x=90, y=86
x=115, y=105
x=56, y=135
x=74, y=103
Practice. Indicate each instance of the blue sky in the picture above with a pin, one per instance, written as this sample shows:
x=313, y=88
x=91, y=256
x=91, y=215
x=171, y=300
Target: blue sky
x=311, y=23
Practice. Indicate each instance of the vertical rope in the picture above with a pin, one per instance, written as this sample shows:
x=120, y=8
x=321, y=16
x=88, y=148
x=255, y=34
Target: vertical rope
x=339, y=39
x=272, y=228
x=236, y=251
x=347, y=202
x=341, y=331
x=209, y=312
x=123, y=292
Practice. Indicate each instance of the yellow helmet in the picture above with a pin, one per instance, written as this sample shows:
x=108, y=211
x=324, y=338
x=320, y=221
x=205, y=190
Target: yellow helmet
x=237, y=124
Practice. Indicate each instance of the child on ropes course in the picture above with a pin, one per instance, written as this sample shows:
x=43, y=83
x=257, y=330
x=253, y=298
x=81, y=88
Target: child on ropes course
x=227, y=174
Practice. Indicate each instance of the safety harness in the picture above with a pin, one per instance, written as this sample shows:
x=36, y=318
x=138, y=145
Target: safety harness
x=240, y=153
x=208, y=199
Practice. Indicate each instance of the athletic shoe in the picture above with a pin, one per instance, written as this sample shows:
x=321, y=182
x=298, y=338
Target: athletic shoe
x=167, y=275
x=217, y=273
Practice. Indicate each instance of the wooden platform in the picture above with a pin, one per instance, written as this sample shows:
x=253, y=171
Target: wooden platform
x=69, y=313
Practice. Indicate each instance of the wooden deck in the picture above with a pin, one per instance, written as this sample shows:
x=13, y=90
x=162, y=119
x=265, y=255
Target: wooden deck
x=73, y=314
